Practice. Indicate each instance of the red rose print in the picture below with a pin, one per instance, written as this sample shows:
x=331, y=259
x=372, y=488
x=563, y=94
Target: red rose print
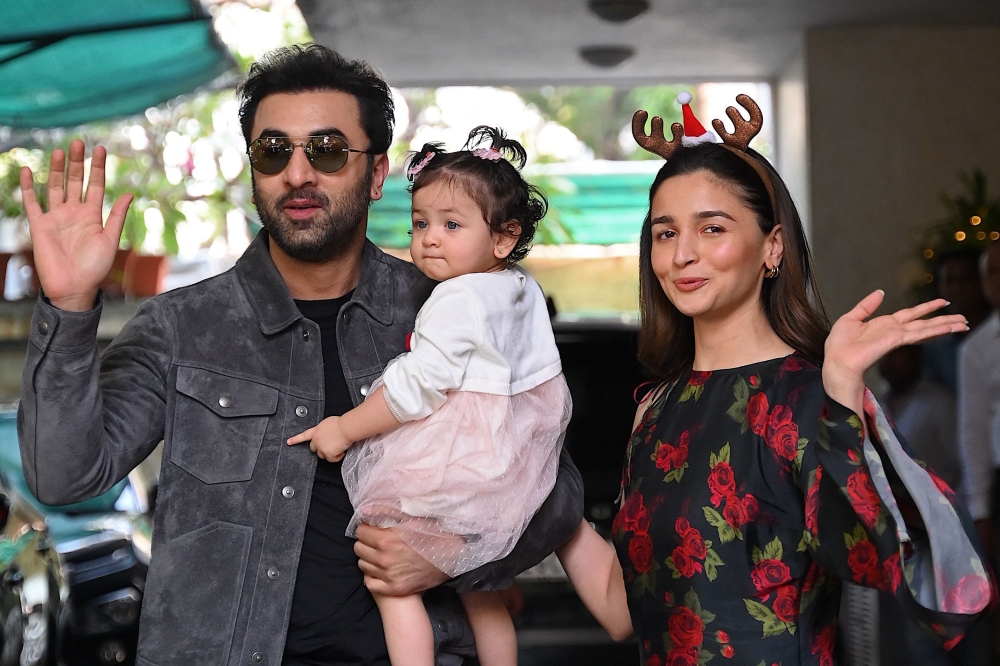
x=720, y=482
x=792, y=364
x=940, y=484
x=862, y=559
x=782, y=433
x=755, y=381
x=757, y=413
x=786, y=603
x=640, y=551
x=970, y=595
x=863, y=497
x=734, y=512
x=654, y=661
x=685, y=564
x=686, y=628
x=750, y=507
x=682, y=526
x=768, y=575
x=680, y=452
x=665, y=457
x=822, y=644
x=669, y=598
x=682, y=657
x=694, y=544
x=698, y=377
x=812, y=574
x=728, y=651
x=721, y=636
x=812, y=503
x=893, y=572
x=634, y=516
x=853, y=456
x=952, y=642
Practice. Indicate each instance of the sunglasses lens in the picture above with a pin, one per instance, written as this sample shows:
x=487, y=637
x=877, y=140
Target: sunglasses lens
x=327, y=153
x=270, y=156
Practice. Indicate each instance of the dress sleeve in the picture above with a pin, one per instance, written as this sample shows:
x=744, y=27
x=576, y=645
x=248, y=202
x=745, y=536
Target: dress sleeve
x=447, y=330
x=877, y=517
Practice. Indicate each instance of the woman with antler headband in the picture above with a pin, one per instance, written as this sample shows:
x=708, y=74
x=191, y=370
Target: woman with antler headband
x=761, y=472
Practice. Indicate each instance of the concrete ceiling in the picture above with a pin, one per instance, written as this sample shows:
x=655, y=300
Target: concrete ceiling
x=536, y=42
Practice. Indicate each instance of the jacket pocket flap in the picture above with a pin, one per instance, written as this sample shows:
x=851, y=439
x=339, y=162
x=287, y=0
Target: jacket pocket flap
x=227, y=396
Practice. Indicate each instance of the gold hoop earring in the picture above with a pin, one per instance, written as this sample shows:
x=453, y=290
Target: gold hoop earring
x=772, y=272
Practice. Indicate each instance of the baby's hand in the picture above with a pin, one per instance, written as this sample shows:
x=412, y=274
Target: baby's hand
x=325, y=440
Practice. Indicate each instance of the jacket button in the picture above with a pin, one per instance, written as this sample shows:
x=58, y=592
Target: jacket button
x=288, y=492
x=301, y=411
x=257, y=657
x=43, y=327
x=305, y=333
x=365, y=389
x=347, y=317
x=225, y=402
x=272, y=573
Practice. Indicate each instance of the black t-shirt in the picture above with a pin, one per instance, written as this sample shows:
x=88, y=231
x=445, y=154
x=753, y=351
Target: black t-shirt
x=334, y=620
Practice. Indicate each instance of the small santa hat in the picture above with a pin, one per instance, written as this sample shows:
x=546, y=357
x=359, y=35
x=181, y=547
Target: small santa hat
x=694, y=131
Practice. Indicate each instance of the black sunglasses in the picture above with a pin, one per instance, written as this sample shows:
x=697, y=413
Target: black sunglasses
x=271, y=154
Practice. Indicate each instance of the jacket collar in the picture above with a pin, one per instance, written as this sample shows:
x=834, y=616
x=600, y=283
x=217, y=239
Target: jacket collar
x=273, y=305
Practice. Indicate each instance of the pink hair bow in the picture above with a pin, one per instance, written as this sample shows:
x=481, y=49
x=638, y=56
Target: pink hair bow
x=491, y=154
x=419, y=166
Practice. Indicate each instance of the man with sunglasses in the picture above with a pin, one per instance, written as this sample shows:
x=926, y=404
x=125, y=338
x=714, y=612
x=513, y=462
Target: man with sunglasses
x=250, y=564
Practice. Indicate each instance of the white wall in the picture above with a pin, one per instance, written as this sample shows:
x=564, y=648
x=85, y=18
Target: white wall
x=792, y=139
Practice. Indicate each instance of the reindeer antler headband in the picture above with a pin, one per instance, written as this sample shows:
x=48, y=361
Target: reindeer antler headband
x=737, y=141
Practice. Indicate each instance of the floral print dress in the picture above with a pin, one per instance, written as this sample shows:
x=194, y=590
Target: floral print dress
x=749, y=495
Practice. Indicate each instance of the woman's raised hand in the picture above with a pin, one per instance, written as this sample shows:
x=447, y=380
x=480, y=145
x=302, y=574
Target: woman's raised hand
x=73, y=248
x=854, y=345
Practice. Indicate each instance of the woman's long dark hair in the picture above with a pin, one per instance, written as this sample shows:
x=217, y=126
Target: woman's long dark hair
x=791, y=302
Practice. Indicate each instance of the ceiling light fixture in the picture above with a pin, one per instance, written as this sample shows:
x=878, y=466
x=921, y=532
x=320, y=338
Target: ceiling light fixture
x=606, y=56
x=618, y=11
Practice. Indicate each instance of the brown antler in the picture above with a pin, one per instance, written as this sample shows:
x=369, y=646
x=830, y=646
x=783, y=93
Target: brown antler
x=655, y=142
x=743, y=130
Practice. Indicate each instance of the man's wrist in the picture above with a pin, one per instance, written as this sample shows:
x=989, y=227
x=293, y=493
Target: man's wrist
x=75, y=303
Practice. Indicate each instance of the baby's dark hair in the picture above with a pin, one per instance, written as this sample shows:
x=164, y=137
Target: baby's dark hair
x=496, y=185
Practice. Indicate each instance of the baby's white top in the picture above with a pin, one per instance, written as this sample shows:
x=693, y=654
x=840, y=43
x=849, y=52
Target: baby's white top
x=484, y=332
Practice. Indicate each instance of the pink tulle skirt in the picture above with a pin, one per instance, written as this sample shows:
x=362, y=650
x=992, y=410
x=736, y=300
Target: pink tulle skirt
x=461, y=485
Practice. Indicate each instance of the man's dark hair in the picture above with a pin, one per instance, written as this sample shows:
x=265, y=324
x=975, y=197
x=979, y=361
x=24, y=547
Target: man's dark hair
x=310, y=67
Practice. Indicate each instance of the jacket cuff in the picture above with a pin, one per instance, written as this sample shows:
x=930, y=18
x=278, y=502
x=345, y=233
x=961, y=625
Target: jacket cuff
x=62, y=330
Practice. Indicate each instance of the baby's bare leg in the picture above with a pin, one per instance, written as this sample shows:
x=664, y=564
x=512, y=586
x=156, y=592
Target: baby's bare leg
x=496, y=642
x=408, y=633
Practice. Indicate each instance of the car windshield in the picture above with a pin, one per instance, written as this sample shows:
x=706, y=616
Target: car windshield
x=13, y=475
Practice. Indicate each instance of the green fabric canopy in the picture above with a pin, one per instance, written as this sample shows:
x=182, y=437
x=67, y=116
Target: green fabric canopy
x=598, y=209
x=67, y=62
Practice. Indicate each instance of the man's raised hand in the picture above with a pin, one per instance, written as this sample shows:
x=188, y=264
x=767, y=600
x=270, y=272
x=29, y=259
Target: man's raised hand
x=73, y=247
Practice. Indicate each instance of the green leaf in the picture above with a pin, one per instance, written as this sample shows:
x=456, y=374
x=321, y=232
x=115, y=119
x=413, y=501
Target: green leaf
x=859, y=533
x=644, y=583
x=856, y=422
x=880, y=522
x=704, y=656
x=712, y=562
x=691, y=391
x=806, y=541
x=757, y=555
x=774, y=627
x=692, y=601
x=724, y=453
x=759, y=611
x=706, y=616
x=710, y=571
x=738, y=410
x=712, y=460
x=773, y=550
x=791, y=628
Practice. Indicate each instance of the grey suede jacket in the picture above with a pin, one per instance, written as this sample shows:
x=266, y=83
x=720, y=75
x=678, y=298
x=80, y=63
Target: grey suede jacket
x=223, y=372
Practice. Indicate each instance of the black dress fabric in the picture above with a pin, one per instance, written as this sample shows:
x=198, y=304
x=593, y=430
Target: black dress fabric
x=748, y=497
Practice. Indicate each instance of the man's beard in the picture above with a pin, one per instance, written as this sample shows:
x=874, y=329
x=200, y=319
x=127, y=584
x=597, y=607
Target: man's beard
x=328, y=234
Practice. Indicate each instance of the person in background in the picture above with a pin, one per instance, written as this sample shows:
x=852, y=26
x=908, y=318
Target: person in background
x=957, y=276
x=979, y=408
x=923, y=411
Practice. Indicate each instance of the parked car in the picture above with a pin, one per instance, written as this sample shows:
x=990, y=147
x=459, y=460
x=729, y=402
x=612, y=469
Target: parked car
x=599, y=361
x=71, y=577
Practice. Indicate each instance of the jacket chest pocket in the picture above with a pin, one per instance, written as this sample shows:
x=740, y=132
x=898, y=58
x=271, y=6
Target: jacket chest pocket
x=219, y=424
